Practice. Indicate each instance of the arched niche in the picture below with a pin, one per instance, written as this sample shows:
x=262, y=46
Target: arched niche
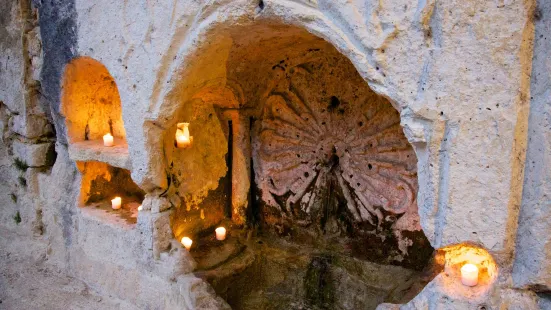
x=90, y=101
x=304, y=124
x=91, y=106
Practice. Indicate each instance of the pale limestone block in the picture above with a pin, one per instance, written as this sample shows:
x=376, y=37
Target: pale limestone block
x=175, y=262
x=34, y=48
x=30, y=126
x=94, y=150
x=155, y=231
x=198, y=294
x=34, y=155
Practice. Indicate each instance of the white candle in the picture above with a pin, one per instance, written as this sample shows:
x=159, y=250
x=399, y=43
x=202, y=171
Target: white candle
x=116, y=203
x=187, y=243
x=220, y=233
x=469, y=275
x=108, y=140
x=183, y=140
x=140, y=208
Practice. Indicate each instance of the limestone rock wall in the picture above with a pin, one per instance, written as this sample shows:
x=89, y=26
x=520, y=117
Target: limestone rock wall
x=458, y=72
x=455, y=85
x=532, y=267
x=26, y=132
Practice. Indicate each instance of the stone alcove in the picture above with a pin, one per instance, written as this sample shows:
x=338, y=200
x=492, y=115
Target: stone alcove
x=90, y=101
x=92, y=108
x=307, y=166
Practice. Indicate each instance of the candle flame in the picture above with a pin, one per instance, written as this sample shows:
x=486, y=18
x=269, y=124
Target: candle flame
x=187, y=242
x=183, y=139
x=469, y=268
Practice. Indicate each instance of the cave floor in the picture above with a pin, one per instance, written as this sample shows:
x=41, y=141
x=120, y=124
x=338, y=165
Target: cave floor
x=27, y=281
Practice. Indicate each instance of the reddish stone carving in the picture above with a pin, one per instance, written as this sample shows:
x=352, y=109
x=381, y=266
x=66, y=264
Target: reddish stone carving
x=328, y=146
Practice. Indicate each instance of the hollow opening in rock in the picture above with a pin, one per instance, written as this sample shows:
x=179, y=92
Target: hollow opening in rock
x=100, y=183
x=90, y=101
x=305, y=165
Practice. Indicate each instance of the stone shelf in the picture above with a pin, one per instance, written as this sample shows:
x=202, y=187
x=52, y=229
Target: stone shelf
x=94, y=150
x=125, y=217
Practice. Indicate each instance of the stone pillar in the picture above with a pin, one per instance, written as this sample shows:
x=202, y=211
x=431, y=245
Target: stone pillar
x=241, y=167
x=154, y=224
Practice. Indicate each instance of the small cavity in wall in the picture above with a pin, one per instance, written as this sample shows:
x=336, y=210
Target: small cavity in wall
x=101, y=183
x=454, y=258
x=96, y=135
x=90, y=101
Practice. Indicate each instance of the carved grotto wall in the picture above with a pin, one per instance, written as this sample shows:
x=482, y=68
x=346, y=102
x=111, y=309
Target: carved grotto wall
x=330, y=155
x=290, y=143
x=457, y=75
x=409, y=53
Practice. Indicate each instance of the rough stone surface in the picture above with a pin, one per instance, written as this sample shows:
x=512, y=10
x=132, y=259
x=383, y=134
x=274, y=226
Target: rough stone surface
x=30, y=126
x=58, y=31
x=34, y=155
x=457, y=72
x=425, y=55
x=94, y=150
x=438, y=295
x=11, y=59
x=335, y=158
x=34, y=46
x=90, y=101
x=155, y=228
x=532, y=267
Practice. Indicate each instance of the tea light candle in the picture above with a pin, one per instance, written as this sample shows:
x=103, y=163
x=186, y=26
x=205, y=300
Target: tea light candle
x=220, y=233
x=140, y=208
x=183, y=140
x=187, y=243
x=108, y=140
x=116, y=203
x=469, y=275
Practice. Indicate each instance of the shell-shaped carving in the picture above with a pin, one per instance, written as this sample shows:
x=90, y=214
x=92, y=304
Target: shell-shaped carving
x=324, y=133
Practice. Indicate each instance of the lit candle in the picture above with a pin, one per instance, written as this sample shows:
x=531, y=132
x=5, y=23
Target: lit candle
x=183, y=140
x=469, y=275
x=220, y=233
x=187, y=243
x=108, y=140
x=140, y=208
x=116, y=203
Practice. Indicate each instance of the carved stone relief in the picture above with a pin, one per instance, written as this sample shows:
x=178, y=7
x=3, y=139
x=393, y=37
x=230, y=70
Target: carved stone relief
x=330, y=154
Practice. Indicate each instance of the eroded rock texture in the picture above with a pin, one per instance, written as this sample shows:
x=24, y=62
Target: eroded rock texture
x=320, y=135
x=532, y=267
x=458, y=72
x=330, y=156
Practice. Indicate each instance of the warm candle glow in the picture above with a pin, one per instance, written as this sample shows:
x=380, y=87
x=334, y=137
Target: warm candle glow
x=116, y=203
x=187, y=243
x=220, y=233
x=183, y=140
x=108, y=140
x=140, y=208
x=469, y=275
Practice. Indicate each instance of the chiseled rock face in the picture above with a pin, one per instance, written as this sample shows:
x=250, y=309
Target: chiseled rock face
x=31, y=126
x=34, y=155
x=437, y=295
x=457, y=72
x=34, y=46
x=11, y=58
x=453, y=70
x=532, y=267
